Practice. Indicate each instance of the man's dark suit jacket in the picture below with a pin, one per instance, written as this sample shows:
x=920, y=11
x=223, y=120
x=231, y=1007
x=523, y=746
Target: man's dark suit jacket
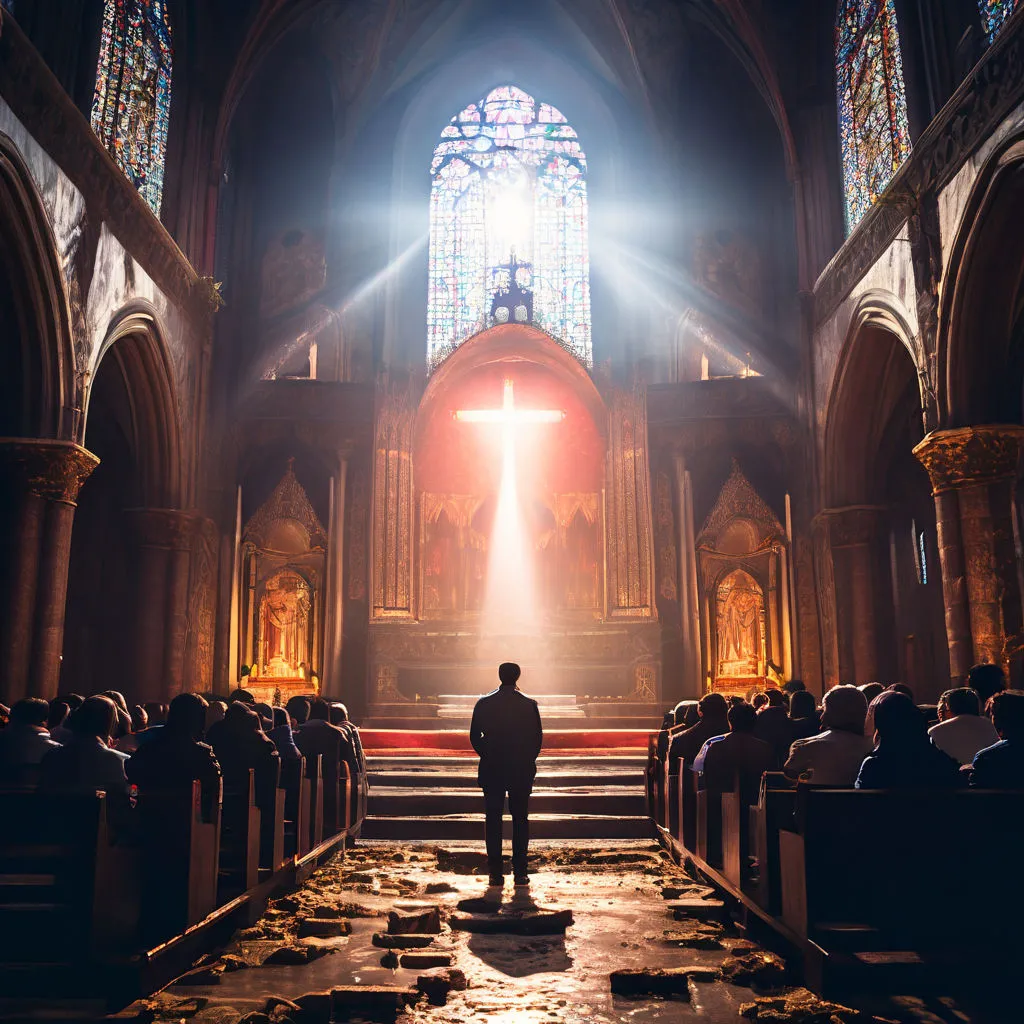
x=506, y=733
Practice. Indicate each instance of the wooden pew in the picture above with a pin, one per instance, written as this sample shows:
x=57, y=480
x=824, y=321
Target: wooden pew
x=314, y=768
x=239, y=837
x=687, y=834
x=272, y=854
x=709, y=827
x=772, y=812
x=346, y=798
x=296, y=807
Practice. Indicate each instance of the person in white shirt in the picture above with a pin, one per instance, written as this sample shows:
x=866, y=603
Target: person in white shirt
x=962, y=730
x=834, y=756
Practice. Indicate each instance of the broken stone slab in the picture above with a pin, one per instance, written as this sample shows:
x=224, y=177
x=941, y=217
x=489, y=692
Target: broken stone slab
x=277, y=1008
x=735, y=946
x=292, y=956
x=379, y=1002
x=695, y=935
x=436, y=888
x=360, y=876
x=437, y=986
x=390, y=960
x=424, y=961
x=208, y=974
x=689, y=890
x=802, y=1007
x=316, y=1007
x=471, y=862
x=418, y=921
x=553, y=922
x=759, y=969
x=696, y=910
x=323, y=927
x=660, y=981
x=480, y=905
x=384, y=941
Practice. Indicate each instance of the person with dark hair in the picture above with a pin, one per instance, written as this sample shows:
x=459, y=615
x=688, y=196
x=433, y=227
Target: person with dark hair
x=739, y=757
x=240, y=745
x=833, y=757
x=792, y=686
x=871, y=691
x=215, y=712
x=298, y=711
x=1001, y=766
x=712, y=710
x=506, y=732
x=25, y=740
x=962, y=730
x=156, y=713
x=804, y=720
x=759, y=700
x=340, y=712
x=986, y=681
x=282, y=738
x=901, y=688
x=317, y=736
x=174, y=754
x=88, y=763
x=686, y=714
x=57, y=721
x=904, y=757
x=773, y=725
x=244, y=696
x=129, y=742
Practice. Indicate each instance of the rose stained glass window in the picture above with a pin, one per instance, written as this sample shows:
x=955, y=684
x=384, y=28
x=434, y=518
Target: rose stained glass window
x=872, y=102
x=509, y=184
x=131, y=105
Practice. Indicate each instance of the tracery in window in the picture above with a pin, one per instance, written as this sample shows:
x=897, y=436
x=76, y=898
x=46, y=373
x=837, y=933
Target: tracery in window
x=994, y=13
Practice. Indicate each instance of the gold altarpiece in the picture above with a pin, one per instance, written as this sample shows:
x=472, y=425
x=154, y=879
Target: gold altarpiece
x=284, y=552
x=742, y=579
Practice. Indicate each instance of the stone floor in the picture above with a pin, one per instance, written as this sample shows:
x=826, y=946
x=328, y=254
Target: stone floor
x=633, y=911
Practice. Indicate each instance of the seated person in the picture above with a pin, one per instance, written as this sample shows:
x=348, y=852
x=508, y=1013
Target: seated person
x=668, y=720
x=712, y=709
x=738, y=757
x=685, y=713
x=140, y=722
x=339, y=716
x=773, y=725
x=833, y=757
x=298, y=711
x=87, y=763
x=175, y=754
x=57, y=721
x=317, y=736
x=282, y=738
x=962, y=730
x=25, y=740
x=1001, y=766
x=904, y=757
x=804, y=719
x=240, y=744
x=986, y=681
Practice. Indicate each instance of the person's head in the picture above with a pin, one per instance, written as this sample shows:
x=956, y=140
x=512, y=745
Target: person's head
x=30, y=711
x=335, y=713
x=1007, y=711
x=686, y=713
x=73, y=700
x=118, y=698
x=509, y=673
x=319, y=711
x=243, y=696
x=776, y=698
x=341, y=711
x=58, y=715
x=713, y=707
x=871, y=691
x=298, y=709
x=802, y=705
x=901, y=688
x=742, y=718
x=156, y=713
x=266, y=713
x=844, y=709
x=961, y=701
x=758, y=701
x=897, y=719
x=215, y=712
x=140, y=720
x=187, y=715
x=793, y=686
x=241, y=717
x=97, y=717
x=281, y=718
x=986, y=681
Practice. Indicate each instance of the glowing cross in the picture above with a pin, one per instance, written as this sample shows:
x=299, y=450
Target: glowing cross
x=508, y=415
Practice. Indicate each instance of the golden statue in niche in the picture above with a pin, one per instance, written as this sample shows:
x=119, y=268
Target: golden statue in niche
x=284, y=626
x=740, y=622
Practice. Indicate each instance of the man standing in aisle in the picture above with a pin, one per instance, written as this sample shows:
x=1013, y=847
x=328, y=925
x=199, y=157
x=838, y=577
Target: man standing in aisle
x=506, y=733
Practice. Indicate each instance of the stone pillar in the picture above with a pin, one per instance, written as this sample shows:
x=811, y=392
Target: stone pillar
x=164, y=537
x=335, y=630
x=852, y=537
x=43, y=478
x=973, y=471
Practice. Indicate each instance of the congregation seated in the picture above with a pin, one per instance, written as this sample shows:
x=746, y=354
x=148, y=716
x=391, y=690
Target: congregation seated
x=685, y=714
x=240, y=745
x=282, y=738
x=962, y=730
x=773, y=725
x=87, y=762
x=57, y=720
x=175, y=755
x=1001, y=766
x=904, y=755
x=833, y=757
x=712, y=710
x=804, y=719
x=986, y=681
x=25, y=740
x=738, y=756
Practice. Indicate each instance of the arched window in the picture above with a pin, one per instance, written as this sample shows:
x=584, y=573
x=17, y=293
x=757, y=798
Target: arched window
x=133, y=91
x=994, y=13
x=508, y=218
x=872, y=101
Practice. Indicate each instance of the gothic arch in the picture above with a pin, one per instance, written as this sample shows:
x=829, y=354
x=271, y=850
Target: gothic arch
x=37, y=293
x=135, y=341
x=980, y=355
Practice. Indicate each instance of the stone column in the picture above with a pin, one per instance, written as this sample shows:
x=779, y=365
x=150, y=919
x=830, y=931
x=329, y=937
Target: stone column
x=973, y=471
x=43, y=478
x=335, y=619
x=165, y=539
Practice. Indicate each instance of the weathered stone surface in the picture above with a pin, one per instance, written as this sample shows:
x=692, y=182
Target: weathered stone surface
x=208, y=975
x=695, y=935
x=759, y=969
x=290, y=956
x=669, y=981
x=697, y=910
x=255, y=1018
x=360, y=876
x=384, y=941
x=801, y=1007
x=424, y=961
x=462, y=862
x=370, y=1000
x=233, y=962
x=316, y=1007
x=480, y=904
x=277, y=1008
x=690, y=890
x=552, y=922
x=737, y=946
x=435, y=987
x=435, y=888
x=323, y=928
x=389, y=960
x=414, y=921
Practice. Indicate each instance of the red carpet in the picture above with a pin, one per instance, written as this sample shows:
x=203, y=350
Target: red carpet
x=455, y=742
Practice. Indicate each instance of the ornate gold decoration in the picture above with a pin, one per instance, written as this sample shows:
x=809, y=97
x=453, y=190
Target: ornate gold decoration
x=970, y=455
x=288, y=501
x=567, y=505
x=645, y=682
x=52, y=470
x=385, y=688
x=739, y=500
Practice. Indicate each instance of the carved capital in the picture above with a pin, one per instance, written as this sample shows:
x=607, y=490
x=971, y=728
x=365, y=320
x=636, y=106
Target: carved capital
x=52, y=470
x=970, y=455
x=164, y=527
x=852, y=526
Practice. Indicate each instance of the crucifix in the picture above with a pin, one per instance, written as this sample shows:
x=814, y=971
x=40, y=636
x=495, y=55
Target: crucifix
x=508, y=415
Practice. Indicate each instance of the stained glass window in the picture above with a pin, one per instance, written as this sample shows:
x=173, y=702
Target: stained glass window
x=994, y=13
x=872, y=101
x=509, y=182
x=133, y=91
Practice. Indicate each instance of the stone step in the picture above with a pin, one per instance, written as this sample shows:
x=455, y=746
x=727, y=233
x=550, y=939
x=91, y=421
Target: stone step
x=466, y=779
x=546, y=763
x=542, y=826
x=393, y=803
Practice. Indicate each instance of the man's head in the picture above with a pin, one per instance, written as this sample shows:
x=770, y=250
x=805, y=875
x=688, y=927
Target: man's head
x=242, y=717
x=742, y=718
x=30, y=711
x=794, y=686
x=870, y=690
x=901, y=688
x=319, y=711
x=341, y=711
x=140, y=720
x=685, y=713
x=59, y=712
x=187, y=715
x=1007, y=711
x=802, y=705
x=776, y=699
x=96, y=717
x=897, y=718
x=986, y=681
x=713, y=707
x=961, y=701
x=241, y=695
x=844, y=708
x=509, y=673
x=298, y=709
x=758, y=701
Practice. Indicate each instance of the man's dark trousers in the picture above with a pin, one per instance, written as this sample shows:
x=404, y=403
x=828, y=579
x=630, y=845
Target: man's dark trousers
x=518, y=807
